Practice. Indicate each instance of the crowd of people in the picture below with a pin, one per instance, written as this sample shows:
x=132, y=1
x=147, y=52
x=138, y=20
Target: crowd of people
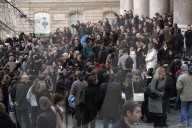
x=74, y=77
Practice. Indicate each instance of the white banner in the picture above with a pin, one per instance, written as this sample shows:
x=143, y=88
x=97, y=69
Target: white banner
x=42, y=22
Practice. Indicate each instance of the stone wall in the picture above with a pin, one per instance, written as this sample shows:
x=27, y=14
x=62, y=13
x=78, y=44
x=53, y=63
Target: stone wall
x=92, y=10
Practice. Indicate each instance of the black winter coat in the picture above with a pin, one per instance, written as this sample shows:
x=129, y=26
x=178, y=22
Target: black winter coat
x=47, y=119
x=6, y=122
x=112, y=99
x=102, y=56
x=163, y=54
x=188, y=36
x=21, y=92
x=168, y=87
x=68, y=82
x=91, y=100
x=140, y=59
x=121, y=124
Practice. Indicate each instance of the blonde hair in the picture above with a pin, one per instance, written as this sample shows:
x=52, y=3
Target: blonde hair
x=38, y=86
x=158, y=74
x=25, y=77
x=120, y=52
x=47, y=69
x=151, y=47
x=128, y=79
x=136, y=75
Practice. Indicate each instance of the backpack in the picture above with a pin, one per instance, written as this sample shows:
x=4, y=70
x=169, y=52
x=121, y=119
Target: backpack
x=71, y=103
x=129, y=63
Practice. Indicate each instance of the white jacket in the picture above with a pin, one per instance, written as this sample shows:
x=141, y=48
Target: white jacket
x=151, y=59
x=133, y=56
x=31, y=98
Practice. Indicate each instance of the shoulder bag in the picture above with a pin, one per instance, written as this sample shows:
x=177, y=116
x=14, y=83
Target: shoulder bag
x=139, y=97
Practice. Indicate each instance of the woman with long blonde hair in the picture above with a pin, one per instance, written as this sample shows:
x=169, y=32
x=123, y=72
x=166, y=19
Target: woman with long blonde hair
x=33, y=95
x=127, y=88
x=157, y=86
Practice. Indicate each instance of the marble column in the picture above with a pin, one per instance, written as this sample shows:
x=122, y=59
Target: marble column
x=141, y=7
x=126, y=5
x=160, y=6
x=182, y=12
x=171, y=6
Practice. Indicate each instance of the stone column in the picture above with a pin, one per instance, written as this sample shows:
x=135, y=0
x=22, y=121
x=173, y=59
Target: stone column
x=171, y=6
x=126, y=5
x=160, y=6
x=182, y=12
x=141, y=7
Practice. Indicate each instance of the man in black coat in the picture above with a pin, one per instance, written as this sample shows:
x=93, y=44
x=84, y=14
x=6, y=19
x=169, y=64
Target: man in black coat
x=5, y=121
x=102, y=55
x=178, y=42
x=110, y=93
x=47, y=119
x=144, y=47
x=21, y=101
x=163, y=53
x=131, y=114
x=188, y=36
x=69, y=80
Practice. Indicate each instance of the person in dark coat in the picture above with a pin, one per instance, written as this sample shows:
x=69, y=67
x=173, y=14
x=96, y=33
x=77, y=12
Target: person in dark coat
x=121, y=20
x=91, y=102
x=5, y=121
x=127, y=87
x=52, y=59
x=69, y=80
x=21, y=104
x=102, y=55
x=170, y=41
x=9, y=40
x=95, y=49
x=188, y=36
x=107, y=25
x=47, y=119
x=111, y=92
x=53, y=78
x=131, y=114
x=175, y=66
x=138, y=82
x=178, y=42
x=140, y=56
x=163, y=53
x=37, y=65
x=4, y=87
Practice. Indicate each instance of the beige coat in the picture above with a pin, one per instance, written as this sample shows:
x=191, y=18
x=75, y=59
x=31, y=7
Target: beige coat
x=59, y=120
x=184, y=87
x=166, y=33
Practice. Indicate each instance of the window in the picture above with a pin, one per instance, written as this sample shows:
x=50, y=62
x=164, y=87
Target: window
x=74, y=17
x=109, y=16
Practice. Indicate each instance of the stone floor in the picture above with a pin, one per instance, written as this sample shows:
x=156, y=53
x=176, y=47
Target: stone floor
x=173, y=120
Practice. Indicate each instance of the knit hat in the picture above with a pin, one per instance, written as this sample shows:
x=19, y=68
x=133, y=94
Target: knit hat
x=184, y=67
